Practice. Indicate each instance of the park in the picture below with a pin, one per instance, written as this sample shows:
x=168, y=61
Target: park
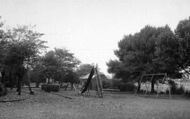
x=113, y=105
x=94, y=60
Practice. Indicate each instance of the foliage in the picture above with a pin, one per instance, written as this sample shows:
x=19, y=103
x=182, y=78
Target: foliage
x=20, y=48
x=183, y=35
x=175, y=89
x=166, y=54
x=106, y=84
x=24, y=46
x=59, y=64
x=71, y=77
x=187, y=93
x=126, y=87
x=50, y=87
x=50, y=65
x=37, y=77
x=84, y=69
x=66, y=59
x=3, y=90
x=151, y=51
x=115, y=83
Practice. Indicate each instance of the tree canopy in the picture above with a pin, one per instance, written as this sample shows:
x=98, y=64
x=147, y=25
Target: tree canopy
x=152, y=50
x=21, y=46
x=183, y=35
x=59, y=64
x=19, y=49
x=84, y=69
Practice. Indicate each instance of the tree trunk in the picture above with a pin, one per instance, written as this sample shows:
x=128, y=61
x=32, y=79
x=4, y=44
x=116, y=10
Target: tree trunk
x=18, y=86
x=28, y=81
x=139, y=82
x=37, y=84
x=30, y=89
x=139, y=86
x=71, y=86
x=3, y=90
x=152, y=86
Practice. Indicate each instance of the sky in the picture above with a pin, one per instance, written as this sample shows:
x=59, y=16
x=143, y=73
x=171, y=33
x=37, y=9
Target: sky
x=91, y=29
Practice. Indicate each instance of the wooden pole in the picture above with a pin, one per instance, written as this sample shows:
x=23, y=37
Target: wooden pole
x=99, y=84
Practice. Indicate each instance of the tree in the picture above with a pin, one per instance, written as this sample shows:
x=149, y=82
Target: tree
x=59, y=64
x=84, y=69
x=71, y=77
x=2, y=45
x=182, y=33
x=66, y=58
x=37, y=74
x=51, y=65
x=152, y=50
x=166, y=53
x=22, y=47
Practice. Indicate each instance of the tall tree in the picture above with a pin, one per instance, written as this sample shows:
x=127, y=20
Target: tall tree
x=152, y=50
x=166, y=53
x=58, y=64
x=23, y=46
x=183, y=35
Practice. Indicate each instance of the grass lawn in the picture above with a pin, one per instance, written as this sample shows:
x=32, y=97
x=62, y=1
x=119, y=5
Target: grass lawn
x=113, y=106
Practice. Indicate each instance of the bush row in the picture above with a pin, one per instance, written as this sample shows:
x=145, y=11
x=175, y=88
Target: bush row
x=50, y=87
x=3, y=90
x=111, y=84
x=117, y=84
x=127, y=87
x=175, y=89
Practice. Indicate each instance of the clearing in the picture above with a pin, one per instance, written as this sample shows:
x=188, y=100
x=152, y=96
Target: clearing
x=113, y=106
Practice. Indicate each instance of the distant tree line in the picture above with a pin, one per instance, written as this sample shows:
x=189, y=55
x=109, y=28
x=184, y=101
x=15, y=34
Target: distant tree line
x=19, y=50
x=58, y=64
x=24, y=58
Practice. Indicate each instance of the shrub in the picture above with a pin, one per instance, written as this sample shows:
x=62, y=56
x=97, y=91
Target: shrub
x=107, y=84
x=3, y=90
x=126, y=87
x=50, y=87
x=187, y=93
x=180, y=90
x=175, y=89
x=115, y=83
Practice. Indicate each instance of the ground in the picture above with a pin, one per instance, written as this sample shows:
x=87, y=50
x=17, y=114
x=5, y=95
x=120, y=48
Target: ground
x=113, y=106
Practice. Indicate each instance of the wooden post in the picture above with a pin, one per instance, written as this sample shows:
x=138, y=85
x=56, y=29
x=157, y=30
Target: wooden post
x=99, y=84
x=98, y=88
x=152, y=84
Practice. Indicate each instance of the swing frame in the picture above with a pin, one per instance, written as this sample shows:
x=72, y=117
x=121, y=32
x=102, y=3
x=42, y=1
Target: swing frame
x=156, y=82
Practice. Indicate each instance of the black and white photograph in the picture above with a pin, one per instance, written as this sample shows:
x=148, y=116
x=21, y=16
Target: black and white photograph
x=94, y=59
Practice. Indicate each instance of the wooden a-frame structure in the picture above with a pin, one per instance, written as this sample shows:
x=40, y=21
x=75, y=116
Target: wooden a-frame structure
x=99, y=90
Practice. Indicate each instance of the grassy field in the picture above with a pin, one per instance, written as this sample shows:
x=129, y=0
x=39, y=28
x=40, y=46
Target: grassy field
x=113, y=106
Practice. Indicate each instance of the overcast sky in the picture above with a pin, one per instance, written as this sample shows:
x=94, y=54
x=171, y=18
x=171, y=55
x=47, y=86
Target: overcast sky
x=91, y=29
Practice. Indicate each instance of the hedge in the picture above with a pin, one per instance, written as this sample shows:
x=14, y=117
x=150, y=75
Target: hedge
x=50, y=87
x=3, y=90
x=126, y=87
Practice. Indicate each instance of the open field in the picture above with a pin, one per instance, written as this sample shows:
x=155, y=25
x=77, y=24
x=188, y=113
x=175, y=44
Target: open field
x=113, y=106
